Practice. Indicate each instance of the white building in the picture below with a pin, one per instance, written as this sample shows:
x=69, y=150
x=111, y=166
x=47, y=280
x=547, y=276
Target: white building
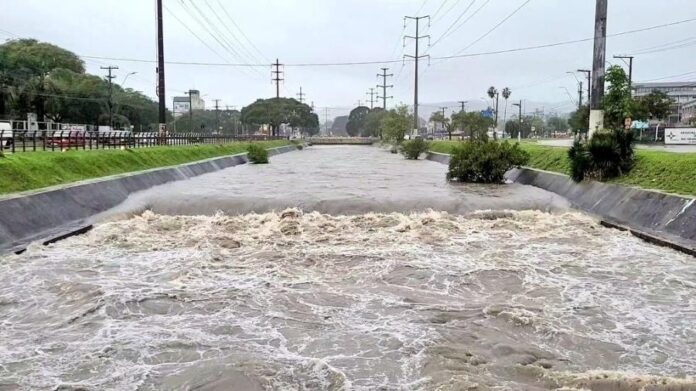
x=682, y=92
x=182, y=104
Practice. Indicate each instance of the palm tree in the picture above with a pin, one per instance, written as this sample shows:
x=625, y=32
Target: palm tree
x=506, y=96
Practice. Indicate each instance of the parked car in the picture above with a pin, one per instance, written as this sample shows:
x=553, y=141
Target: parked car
x=66, y=140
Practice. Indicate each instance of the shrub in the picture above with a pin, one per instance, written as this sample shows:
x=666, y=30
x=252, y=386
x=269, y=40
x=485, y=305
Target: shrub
x=300, y=147
x=257, y=154
x=608, y=154
x=412, y=149
x=482, y=161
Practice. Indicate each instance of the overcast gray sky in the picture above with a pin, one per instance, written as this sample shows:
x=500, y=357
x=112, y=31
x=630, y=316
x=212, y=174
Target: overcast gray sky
x=329, y=31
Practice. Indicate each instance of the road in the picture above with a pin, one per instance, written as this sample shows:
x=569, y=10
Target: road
x=664, y=148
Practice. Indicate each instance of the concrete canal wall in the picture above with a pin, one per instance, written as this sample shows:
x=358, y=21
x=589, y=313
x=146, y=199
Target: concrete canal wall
x=664, y=219
x=51, y=214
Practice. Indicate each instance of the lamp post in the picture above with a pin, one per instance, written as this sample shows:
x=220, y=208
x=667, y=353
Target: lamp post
x=519, y=130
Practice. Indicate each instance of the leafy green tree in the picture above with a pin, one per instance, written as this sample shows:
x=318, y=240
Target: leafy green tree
x=373, y=122
x=474, y=123
x=356, y=121
x=557, y=124
x=579, y=120
x=617, y=103
x=656, y=105
x=277, y=111
x=396, y=123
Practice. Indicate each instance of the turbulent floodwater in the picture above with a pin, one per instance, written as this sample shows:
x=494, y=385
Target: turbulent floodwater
x=426, y=300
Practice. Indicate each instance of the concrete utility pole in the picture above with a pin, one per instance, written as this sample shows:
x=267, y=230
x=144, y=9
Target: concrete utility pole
x=110, y=77
x=384, y=87
x=588, y=74
x=161, y=96
x=276, y=76
x=301, y=95
x=371, y=94
x=217, y=115
x=415, y=58
x=598, y=68
x=630, y=70
x=463, y=103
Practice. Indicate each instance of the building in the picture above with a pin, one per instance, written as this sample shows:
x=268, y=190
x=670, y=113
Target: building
x=181, y=103
x=683, y=93
x=689, y=112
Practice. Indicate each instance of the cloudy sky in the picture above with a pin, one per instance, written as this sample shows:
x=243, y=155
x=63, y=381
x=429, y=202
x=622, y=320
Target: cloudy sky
x=339, y=31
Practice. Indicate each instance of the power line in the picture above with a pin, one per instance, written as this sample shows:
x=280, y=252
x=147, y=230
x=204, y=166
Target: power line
x=247, y=53
x=415, y=58
x=496, y=26
x=439, y=8
x=224, y=10
x=448, y=11
x=393, y=61
x=455, y=22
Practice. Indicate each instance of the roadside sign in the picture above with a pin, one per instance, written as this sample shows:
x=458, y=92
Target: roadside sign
x=683, y=136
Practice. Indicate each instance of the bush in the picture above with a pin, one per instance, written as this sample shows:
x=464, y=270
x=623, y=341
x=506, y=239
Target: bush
x=257, y=154
x=412, y=149
x=608, y=154
x=482, y=161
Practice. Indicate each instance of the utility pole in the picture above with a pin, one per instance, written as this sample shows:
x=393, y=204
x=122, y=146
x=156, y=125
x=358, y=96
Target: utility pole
x=519, y=130
x=326, y=121
x=301, y=95
x=110, y=77
x=277, y=76
x=463, y=103
x=190, y=109
x=384, y=87
x=217, y=115
x=598, y=68
x=579, y=95
x=415, y=58
x=372, y=98
x=630, y=70
x=161, y=96
x=588, y=74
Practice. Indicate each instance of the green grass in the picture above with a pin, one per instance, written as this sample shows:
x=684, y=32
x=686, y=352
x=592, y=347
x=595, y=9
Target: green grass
x=657, y=170
x=35, y=170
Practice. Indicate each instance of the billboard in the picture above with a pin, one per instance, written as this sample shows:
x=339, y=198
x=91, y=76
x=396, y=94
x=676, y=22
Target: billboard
x=683, y=136
x=180, y=108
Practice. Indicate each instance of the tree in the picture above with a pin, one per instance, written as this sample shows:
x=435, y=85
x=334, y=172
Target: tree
x=579, y=120
x=656, y=105
x=476, y=124
x=396, y=123
x=617, y=103
x=557, y=124
x=373, y=122
x=356, y=121
x=277, y=111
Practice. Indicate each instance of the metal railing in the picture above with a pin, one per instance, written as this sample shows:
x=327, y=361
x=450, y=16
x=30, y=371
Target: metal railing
x=59, y=140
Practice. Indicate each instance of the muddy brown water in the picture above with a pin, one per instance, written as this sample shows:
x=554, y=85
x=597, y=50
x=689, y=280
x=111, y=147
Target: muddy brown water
x=347, y=269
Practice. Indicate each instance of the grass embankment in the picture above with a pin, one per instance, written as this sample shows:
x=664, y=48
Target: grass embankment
x=34, y=170
x=658, y=170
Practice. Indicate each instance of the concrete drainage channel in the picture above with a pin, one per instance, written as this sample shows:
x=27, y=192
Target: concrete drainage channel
x=659, y=218
x=51, y=215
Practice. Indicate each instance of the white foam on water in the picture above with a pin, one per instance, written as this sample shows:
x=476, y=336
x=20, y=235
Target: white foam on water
x=295, y=300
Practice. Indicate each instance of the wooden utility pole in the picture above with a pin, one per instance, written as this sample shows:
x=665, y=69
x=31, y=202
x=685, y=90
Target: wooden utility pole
x=415, y=58
x=384, y=87
x=110, y=77
x=598, y=68
x=301, y=95
x=161, y=96
x=463, y=104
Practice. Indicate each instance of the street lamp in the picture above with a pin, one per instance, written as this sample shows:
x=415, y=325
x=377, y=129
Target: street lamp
x=126, y=78
x=519, y=130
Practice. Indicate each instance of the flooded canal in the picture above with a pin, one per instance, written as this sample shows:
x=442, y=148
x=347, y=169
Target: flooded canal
x=347, y=269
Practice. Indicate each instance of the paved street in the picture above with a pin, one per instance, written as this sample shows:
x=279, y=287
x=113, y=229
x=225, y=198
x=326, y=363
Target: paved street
x=666, y=148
